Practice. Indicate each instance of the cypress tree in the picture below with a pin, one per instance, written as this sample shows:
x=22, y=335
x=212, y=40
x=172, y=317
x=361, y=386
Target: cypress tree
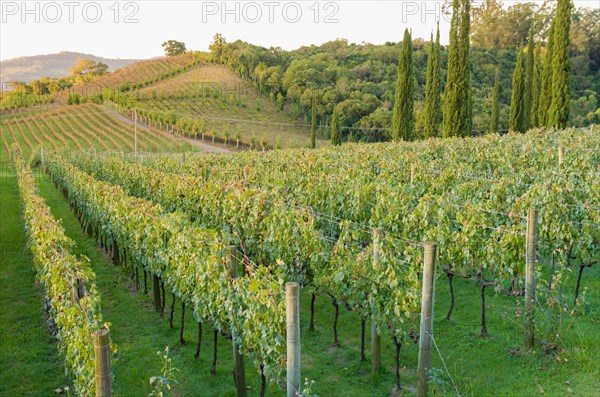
x=403, y=116
x=546, y=89
x=466, y=62
x=458, y=103
x=517, y=100
x=313, y=125
x=495, y=104
x=535, y=89
x=527, y=95
x=558, y=115
x=433, y=103
x=336, y=128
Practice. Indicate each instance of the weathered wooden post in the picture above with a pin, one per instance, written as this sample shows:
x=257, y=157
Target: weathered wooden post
x=412, y=173
x=426, y=333
x=102, y=363
x=292, y=305
x=375, y=338
x=530, y=278
x=561, y=155
x=239, y=370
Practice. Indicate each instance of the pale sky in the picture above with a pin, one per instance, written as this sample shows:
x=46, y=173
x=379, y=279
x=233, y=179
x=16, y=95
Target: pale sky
x=136, y=29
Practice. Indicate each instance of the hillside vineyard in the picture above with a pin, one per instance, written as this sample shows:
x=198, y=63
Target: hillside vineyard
x=316, y=218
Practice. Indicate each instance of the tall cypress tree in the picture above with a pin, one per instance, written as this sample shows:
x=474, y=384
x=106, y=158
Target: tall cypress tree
x=403, y=117
x=465, y=36
x=527, y=94
x=558, y=115
x=546, y=90
x=495, y=104
x=458, y=103
x=336, y=128
x=517, y=108
x=433, y=102
x=535, y=89
x=313, y=125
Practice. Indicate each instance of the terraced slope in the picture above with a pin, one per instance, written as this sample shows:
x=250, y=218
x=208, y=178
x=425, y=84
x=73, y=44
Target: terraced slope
x=225, y=106
x=80, y=127
x=135, y=76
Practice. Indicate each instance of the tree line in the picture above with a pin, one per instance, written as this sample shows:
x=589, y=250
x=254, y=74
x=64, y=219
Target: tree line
x=415, y=89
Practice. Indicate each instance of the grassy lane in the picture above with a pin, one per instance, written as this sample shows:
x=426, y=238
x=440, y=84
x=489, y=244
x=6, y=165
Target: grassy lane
x=29, y=362
x=138, y=331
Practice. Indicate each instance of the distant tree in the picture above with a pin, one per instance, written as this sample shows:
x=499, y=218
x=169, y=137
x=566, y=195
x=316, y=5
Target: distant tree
x=174, y=47
x=336, y=128
x=403, y=117
x=528, y=85
x=88, y=67
x=494, y=120
x=497, y=27
x=458, y=102
x=280, y=101
x=433, y=103
x=313, y=124
x=39, y=87
x=517, y=108
x=74, y=98
x=217, y=47
x=558, y=115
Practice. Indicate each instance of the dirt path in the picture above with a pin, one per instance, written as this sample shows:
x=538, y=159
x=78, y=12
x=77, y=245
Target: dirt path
x=204, y=146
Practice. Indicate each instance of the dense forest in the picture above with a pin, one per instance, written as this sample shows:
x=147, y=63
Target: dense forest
x=359, y=79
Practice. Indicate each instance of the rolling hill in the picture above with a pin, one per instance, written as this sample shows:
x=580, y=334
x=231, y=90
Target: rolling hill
x=31, y=68
x=214, y=99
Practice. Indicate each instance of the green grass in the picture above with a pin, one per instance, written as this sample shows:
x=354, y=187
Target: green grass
x=29, y=362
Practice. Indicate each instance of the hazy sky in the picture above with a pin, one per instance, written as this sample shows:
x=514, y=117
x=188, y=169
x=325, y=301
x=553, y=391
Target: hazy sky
x=136, y=29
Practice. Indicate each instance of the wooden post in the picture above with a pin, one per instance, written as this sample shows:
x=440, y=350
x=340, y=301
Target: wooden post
x=530, y=278
x=375, y=338
x=156, y=288
x=239, y=370
x=561, y=155
x=412, y=173
x=292, y=305
x=135, y=134
x=102, y=363
x=81, y=292
x=426, y=320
